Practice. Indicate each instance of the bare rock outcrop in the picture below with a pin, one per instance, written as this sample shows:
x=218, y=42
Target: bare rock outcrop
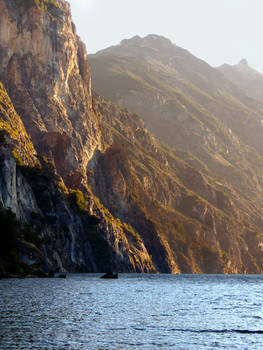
x=44, y=68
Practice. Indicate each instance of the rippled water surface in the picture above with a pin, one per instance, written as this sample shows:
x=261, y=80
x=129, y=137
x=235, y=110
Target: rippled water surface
x=133, y=312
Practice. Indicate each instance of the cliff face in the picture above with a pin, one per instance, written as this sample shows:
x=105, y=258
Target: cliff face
x=58, y=229
x=92, y=187
x=44, y=68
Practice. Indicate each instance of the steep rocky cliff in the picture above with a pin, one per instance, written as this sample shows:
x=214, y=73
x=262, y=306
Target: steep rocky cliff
x=91, y=187
x=58, y=230
x=44, y=69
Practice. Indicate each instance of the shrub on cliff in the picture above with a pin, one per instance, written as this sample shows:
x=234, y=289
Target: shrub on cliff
x=77, y=200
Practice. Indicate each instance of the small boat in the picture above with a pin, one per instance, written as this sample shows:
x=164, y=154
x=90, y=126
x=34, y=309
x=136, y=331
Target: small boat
x=110, y=275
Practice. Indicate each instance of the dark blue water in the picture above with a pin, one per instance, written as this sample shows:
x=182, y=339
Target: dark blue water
x=133, y=312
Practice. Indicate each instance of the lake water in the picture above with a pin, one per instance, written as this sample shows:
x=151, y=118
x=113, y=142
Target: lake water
x=133, y=312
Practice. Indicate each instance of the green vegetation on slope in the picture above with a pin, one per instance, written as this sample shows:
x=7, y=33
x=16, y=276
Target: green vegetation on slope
x=12, y=128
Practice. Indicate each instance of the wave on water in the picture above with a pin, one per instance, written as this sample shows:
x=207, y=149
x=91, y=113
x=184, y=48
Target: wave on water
x=243, y=331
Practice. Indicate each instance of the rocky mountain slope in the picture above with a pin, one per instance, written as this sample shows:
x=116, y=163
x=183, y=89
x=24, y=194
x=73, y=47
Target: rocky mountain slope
x=188, y=105
x=191, y=106
x=91, y=187
x=245, y=77
x=206, y=225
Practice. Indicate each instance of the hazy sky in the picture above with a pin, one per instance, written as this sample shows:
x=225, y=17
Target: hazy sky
x=218, y=31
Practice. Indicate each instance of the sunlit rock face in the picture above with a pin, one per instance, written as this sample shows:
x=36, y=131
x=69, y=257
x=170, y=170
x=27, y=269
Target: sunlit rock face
x=49, y=113
x=43, y=65
x=73, y=239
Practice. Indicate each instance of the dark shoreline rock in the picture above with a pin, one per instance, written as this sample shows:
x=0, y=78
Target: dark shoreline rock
x=110, y=275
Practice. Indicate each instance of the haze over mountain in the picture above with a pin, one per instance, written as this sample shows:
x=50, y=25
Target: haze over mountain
x=92, y=189
x=245, y=77
x=218, y=31
x=162, y=81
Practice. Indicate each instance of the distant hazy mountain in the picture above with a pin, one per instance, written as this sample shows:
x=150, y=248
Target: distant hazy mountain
x=173, y=90
x=245, y=77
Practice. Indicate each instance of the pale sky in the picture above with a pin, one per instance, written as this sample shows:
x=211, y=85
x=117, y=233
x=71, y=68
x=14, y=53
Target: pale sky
x=217, y=31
